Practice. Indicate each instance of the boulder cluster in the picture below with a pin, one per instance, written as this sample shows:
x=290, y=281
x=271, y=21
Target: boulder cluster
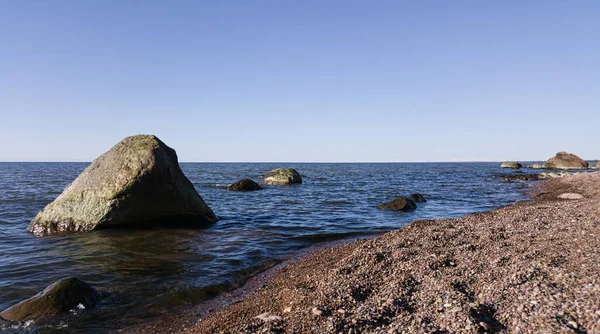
x=562, y=160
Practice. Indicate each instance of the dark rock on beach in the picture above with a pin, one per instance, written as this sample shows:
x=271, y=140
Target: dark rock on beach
x=282, y=176
x=564, y=160
x=138, y=182
x=511, y=164
x=398, y=204
x=60, y=297
x=417, y=198
x=244, y=185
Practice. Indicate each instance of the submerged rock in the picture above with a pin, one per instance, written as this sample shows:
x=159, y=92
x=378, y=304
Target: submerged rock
x=398, y=204
x=60, y=297
x=417, y=198
x=521, y=177
x=564, y=160
x=550, y=175
x=511, y=164
x=282, y=176
x=244, y=185
x=138, y=182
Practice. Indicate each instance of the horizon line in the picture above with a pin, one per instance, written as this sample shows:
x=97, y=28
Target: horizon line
x=302, y=162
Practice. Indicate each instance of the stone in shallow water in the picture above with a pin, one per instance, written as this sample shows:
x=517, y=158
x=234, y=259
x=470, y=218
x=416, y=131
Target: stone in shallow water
x=570, y=196
x=138, y=182
x=60, y=297
x=244, y=185
x=398, y=204
x=282, y=176
x=564, y=160
x=417, y=198
x=511, y=164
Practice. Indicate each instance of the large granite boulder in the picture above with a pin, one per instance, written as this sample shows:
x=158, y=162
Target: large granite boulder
x=511, y=164
x=136, y=183
x=244, y=185
x=282, y=176
x=564, y=160
x=60, y=297
x=398, y=204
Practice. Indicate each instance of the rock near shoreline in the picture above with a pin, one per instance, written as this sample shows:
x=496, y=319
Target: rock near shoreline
x=398, y=204
x=138, y=182
x=564, y=160
x=60, y=297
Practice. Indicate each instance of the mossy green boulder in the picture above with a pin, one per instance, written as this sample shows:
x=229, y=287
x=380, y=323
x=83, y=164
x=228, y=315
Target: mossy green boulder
x=282, y=176
x=60, y=297
x=137, y=183
x=398, y=204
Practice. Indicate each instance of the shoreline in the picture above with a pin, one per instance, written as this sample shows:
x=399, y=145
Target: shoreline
x=512, y=269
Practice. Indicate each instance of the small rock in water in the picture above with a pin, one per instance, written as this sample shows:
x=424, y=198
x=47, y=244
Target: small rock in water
x=282, y=176
x=60, y=297
x=399, y=204
x=511, y=164
x=244, y=185
x=417, y=198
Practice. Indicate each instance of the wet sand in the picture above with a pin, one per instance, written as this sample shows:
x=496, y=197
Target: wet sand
x=528, y=268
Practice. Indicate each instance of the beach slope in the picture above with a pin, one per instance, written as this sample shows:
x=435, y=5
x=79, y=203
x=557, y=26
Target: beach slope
x=529, y=267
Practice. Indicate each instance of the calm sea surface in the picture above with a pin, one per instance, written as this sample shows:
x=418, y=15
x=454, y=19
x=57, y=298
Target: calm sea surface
x=144, y=273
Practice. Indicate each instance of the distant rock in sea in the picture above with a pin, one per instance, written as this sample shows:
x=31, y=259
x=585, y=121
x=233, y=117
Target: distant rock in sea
x=511, y=164
x=564, y=160
x=520, y=177
x=282, y=176
x=536, y=166
x=138, y=182
x=398, y=204
x=60, y=297
x=417, y=198
x=244, y=185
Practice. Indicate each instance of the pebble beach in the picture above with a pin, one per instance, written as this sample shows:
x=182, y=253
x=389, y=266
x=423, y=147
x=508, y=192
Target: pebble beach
x=531, y=267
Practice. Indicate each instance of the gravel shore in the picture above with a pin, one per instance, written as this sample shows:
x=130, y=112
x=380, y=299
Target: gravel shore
x=528, y=268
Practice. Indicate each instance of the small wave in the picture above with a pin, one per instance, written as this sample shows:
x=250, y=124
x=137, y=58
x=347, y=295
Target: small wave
x=337, y=203
x=319, y=237
x=216, y=185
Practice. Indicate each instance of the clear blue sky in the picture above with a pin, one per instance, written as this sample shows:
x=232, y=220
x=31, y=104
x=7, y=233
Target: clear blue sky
x=301, y=80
